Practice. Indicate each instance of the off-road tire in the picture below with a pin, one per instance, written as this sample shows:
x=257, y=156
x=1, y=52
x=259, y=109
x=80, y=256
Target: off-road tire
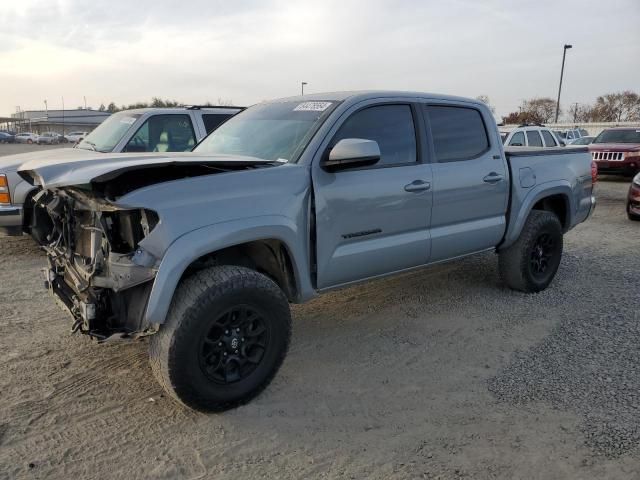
x=197, y=302
x=515, y=261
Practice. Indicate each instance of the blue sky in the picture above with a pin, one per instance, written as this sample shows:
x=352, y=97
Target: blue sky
x=248, y=51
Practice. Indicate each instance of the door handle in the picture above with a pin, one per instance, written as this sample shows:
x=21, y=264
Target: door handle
x=493, y=177
x=417, y=186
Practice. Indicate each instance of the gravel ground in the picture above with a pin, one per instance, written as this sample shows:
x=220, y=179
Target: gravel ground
x=441, y=373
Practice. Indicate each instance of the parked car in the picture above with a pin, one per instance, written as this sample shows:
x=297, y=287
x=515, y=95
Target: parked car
x=141, y=130
x=573, y=134
x=617, y=150
x=204, y=251
x=26, y=137
x=7, y=137
x=582, y=141
x=531, y=136
x=633, y=199
x=48, y=138
x=74, y=137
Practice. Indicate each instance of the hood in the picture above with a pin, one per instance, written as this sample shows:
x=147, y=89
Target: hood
x=10, y=163
x=614, y=147
x=95, y=167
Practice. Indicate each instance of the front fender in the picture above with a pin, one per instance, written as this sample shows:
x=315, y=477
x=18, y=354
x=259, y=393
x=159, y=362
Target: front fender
x=522, y=205
x=197, y=243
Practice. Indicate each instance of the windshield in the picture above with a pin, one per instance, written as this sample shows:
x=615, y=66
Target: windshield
x=618, y=136
x=270, y=131
x=108, y=133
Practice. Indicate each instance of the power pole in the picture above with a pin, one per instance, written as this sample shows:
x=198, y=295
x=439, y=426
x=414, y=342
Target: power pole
x=575, y=111
x=302, y=84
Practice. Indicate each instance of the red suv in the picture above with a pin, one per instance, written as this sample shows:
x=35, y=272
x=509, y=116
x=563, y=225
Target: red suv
x=617, y=150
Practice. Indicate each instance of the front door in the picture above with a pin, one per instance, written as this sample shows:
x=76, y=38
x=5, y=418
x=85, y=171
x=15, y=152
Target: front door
x=374, y=220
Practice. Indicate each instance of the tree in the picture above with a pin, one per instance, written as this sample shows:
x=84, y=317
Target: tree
x=102, y=108
x=485, y=99
x=535, y=110
x=617, y=107
x=111, y=108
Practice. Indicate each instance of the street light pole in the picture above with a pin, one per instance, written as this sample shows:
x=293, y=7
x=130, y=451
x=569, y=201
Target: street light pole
x=564, y=54
x=302, y=84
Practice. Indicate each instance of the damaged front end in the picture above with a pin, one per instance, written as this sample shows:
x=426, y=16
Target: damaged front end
x=97, y=270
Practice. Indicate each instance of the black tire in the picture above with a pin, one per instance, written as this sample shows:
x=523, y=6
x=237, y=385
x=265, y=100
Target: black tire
x=178, y=352
x=531, y=263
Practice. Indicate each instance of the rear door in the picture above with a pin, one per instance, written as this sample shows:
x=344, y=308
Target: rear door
x=470, y=181
x=374, y=220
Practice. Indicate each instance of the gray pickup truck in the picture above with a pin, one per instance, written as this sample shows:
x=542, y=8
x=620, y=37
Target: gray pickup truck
x=204, y=251
x=141, y=130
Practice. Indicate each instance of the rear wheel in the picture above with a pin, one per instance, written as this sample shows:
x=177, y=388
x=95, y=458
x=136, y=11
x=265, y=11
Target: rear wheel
x=225, y=337
x=531, y=263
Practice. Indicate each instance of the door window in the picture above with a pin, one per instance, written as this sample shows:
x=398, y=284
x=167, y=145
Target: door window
x=163, y=133
x=517, y=140
x=458, y=133
x=549, y=141
x=533, y=137
x=389, y=125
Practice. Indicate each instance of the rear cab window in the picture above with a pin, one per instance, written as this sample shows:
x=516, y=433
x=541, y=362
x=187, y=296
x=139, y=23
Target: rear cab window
x=458, y=133
x=549, y=141
x=533, y=138
x=214, y=120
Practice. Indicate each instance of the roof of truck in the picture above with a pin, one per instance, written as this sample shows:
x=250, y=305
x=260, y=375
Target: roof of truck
x=359, y=95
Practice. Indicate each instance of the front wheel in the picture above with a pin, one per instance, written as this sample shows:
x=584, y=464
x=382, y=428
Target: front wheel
x=531, y=263
x=226, y=335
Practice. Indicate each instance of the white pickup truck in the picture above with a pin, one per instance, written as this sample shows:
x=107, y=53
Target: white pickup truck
x=141, y=130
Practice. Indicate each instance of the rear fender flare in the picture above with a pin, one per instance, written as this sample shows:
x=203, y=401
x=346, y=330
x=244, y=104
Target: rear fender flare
x=518, y=218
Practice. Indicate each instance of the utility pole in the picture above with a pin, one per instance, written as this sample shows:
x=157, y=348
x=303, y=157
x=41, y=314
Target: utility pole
x=302, y=84
x=575, y=112
x=63, y=116
x=85, y=102
x=564, y=54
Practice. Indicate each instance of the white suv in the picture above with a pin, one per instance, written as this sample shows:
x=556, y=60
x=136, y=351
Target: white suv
x=530, y=136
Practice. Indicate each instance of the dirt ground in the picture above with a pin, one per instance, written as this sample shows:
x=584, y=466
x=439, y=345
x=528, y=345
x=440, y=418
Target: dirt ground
x=393, y=379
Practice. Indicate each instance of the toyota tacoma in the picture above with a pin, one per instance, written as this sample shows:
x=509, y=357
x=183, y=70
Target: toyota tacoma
x=203, y=252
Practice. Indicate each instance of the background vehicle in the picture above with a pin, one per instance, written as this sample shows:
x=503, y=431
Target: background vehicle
x=48, y=138
x=531, y=136
x=633, y=199
x=291, y=198
x=617, y=150
x=582, y=141
x=7, y=137
x=156, y=129
x=74, y=137
x=26, y=137
x=141, y=130
x=573, y=134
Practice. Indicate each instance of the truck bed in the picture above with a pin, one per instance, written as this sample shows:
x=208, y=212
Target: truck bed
x=564, y=172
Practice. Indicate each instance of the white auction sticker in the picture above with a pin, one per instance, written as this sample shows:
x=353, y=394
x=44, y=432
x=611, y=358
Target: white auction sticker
x=312, y=107
x=128, y=120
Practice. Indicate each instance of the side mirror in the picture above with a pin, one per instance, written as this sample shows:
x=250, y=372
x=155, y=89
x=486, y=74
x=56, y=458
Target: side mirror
x=351, y=153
